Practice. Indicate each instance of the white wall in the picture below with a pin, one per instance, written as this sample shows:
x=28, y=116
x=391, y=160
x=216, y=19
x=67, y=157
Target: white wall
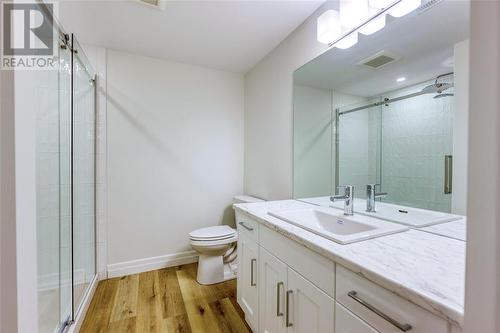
x=482, y=294
x=460, y=128
x=268, y=112
x=314, y=142
x=312, y=118
x=175, y=153
x=97, y=57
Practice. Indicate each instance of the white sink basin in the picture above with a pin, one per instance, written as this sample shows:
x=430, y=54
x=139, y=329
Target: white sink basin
x=334, y=225
x=413, y=217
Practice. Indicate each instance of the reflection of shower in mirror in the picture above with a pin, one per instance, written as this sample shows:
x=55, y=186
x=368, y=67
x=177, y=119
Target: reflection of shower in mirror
x=438, y=87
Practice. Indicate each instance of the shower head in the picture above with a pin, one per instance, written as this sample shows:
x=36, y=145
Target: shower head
x=436, y=88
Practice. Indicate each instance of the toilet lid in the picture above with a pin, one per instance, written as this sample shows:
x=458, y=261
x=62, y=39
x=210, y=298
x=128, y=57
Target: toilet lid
x=216, y=232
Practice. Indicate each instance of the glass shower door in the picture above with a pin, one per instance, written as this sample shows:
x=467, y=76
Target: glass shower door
x=83, y=151
x=417, y=137
x=53, y=186
x=65, y=183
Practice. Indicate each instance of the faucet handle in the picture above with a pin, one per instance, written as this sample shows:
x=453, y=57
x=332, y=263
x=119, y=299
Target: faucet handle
x=348, y=189
x=373, y=188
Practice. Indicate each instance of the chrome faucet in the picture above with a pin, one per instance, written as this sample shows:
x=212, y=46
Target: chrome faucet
x=371, y=195
x=347, y=197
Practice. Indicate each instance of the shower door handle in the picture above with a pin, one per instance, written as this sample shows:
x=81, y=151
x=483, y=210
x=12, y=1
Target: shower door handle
x=448, y=174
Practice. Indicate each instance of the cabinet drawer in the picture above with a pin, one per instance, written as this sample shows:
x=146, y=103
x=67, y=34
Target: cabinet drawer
x=347, y=322
x=352, y=290
x=317, y=269
x=247, y=227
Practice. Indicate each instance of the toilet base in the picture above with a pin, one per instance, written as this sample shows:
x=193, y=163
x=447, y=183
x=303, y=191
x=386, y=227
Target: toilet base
x=211, y=270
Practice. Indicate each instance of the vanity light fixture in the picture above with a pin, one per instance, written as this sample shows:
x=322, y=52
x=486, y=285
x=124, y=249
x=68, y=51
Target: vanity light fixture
x=373, y=26
x=401, y=79
x=340, y=28
x=328, y=26
x=353, y=13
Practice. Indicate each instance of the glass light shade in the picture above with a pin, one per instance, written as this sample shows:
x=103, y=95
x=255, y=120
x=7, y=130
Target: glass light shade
x=380, y=3
x=328, y=27
x=347, y=41
x=353, y=12
x=373, y=26
x=404, y=7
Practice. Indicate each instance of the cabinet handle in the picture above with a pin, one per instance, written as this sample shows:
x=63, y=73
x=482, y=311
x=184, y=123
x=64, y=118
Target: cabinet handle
x=252, y=282
x=278, y=299
x=403, y=327
x=245, y=226
x=287, y=318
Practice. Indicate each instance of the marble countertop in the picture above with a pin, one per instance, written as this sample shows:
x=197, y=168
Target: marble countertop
x=422, y=267
x=454, y=229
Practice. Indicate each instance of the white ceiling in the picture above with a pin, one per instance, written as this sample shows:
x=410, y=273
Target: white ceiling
x=228, y=35
x=423, y=40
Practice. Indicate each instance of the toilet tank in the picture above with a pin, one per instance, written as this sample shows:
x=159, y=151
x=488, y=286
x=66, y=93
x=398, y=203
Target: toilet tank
x=245, y=199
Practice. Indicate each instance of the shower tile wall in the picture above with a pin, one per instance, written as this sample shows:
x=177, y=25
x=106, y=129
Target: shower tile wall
x=417, y=133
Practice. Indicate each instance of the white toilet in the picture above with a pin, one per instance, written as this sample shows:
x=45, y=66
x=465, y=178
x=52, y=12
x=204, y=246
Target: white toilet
x=217, y=249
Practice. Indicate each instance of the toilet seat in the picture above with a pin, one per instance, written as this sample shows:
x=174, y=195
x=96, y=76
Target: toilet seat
x=215, y=242
x=215, y=233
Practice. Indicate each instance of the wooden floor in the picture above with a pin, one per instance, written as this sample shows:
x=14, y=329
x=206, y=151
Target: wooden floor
x=166, y=300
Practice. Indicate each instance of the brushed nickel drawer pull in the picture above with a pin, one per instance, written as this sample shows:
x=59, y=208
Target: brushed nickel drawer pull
x=245, y=226
x=278, y=299
x=403, y=327
x=252, y=282
x=287, y=318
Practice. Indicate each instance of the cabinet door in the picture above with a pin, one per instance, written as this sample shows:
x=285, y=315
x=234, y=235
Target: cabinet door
x=347, y=322
x=272, y=288
x=248, y=292
x=309, y=310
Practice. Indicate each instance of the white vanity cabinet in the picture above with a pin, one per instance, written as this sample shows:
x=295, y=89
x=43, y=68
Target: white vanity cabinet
x=347, y=322
x=382, y=309
x=290, y=303
x=247, y=283
x=310, y=309
x=273, y=286
x=284, y=287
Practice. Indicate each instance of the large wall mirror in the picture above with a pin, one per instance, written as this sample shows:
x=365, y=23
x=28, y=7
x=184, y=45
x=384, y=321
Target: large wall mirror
x=391, y=110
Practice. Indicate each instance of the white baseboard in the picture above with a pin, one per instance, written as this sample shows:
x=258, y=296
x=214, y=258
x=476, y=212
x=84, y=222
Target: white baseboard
x=152, y=263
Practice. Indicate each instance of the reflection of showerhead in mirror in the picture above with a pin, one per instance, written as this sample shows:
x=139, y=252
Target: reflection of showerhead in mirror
x=439, y=87
x=436, y=88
